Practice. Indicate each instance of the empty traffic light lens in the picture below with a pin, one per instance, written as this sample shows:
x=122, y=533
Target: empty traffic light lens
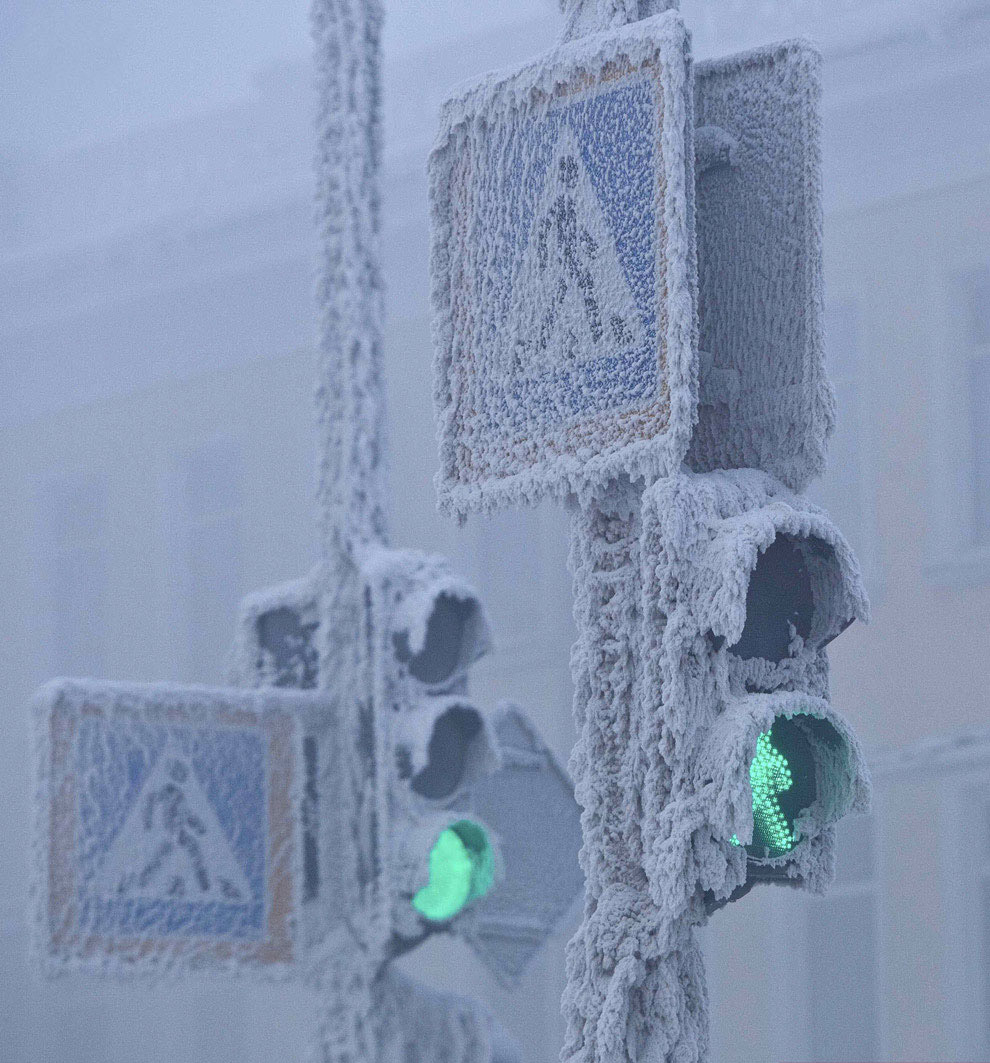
x=455, y=638
x=454, y=742
x=779, y=602
x=781, y=776
x=462, y=869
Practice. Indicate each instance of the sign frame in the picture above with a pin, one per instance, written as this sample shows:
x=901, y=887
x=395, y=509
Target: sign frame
x=637, y=425
x=504, y=930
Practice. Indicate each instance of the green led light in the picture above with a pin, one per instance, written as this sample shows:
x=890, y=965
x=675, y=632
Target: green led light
x=770, y=776
x=462, y=869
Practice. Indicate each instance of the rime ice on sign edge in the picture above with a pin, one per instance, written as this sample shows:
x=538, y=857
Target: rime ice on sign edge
x=514, y=429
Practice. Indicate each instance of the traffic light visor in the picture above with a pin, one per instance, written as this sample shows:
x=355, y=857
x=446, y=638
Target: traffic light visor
x=764, y=571
x=276, y=642
x=794, y=598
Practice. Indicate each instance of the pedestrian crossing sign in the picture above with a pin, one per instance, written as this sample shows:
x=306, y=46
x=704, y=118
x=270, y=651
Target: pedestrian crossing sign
x=169, y=830
x=564, y=270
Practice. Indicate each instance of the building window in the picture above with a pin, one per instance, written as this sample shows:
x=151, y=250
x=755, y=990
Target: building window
x=210, y=505
x=73, y=538
x=843, y=952
x=964, y=856
x=983, y=889
x=978, y=350
x=960, y=438
x=844, y=489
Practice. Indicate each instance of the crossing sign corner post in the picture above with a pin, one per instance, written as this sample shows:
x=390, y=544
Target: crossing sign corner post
x=564, y=273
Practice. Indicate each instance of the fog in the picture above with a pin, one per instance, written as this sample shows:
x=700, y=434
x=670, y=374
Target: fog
x=157, y=369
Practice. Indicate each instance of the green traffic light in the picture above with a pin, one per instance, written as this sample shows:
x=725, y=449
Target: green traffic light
x=770, y=775
x=781, y=777
x=462, y=869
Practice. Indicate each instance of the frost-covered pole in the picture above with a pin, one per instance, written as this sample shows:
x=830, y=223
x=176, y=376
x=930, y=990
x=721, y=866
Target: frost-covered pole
x=350, y=411
x=350, y=396
x=636, y=989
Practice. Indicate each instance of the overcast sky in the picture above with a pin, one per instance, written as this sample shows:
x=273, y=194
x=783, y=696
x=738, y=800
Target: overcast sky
x=88, y=69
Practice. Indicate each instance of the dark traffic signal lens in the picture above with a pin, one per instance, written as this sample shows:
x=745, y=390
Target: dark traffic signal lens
x=455, y=735
x=779, y=602
x=454, y=639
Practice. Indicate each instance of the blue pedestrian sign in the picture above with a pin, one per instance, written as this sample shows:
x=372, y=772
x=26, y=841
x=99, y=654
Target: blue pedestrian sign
x=564, y=270
x=169, y=826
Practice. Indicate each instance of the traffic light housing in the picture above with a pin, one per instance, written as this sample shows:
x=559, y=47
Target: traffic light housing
x=425, y=629
x=470, y=856
x=442, y=791
x=745, y=584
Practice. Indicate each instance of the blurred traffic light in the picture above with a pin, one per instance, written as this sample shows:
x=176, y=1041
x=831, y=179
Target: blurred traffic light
x=455, y=845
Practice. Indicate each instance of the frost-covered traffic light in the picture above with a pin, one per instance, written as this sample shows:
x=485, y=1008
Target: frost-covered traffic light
x=426, y=628
x=745, y=584
x=627, y=294
x=442, y=792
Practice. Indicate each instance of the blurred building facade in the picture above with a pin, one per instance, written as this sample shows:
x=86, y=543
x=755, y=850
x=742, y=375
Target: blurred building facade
x=156, y=324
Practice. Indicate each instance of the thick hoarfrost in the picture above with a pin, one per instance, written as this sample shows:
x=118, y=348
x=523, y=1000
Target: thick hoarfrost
x=765, y=401
x=350, y=292
x=585, y=329
x=590, y=16
x=347, y=954
x=668, y=720
x=556, y=366
x=526, y=281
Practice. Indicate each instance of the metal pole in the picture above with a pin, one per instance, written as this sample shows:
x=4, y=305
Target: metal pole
x=350, y=415
x=350, y=392
x=636, y=989
x=635, y=979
